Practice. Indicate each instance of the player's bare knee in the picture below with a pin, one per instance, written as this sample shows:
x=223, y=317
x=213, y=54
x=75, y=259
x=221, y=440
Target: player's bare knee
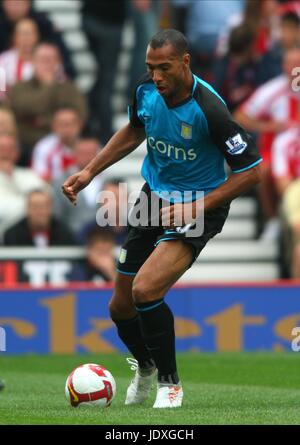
x=143, y=291
x=142, y=294
x=113, y=309
x=119, y=311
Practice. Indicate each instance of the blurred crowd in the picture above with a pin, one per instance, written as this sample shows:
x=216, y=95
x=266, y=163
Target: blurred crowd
x=249, y=50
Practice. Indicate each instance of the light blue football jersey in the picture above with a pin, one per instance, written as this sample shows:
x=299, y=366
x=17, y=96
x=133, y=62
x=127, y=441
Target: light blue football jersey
x=187, y=144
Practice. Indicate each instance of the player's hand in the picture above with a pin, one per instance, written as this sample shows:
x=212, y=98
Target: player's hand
x=75, y=183
x=104, y=262
x=179, y=215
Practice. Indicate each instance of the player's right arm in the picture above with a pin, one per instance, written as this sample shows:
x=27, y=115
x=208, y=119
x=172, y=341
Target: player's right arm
x=258, y=125
x=120, y=145
x=255, y=113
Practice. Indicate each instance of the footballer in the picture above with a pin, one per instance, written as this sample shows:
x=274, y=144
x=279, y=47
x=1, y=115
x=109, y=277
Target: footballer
x=189, y=133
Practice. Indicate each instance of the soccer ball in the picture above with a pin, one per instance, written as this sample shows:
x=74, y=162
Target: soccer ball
x=90, y=384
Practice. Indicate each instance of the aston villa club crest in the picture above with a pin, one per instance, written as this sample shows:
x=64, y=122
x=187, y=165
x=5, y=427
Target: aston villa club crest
x=186, y=131
x=122, y=257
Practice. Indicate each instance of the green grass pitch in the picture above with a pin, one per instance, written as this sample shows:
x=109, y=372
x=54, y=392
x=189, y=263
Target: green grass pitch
x=227, y=388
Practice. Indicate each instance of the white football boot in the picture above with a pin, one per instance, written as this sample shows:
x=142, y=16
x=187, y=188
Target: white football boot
x=168, y=396
x=139, y=389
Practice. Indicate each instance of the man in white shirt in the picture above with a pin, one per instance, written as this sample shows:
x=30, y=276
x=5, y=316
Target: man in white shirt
x=286, y=159
x=15, y=182
x=291, y=217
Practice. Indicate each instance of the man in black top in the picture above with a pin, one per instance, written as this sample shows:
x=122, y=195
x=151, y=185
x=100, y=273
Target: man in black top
x=38, y=228
x=102, y=21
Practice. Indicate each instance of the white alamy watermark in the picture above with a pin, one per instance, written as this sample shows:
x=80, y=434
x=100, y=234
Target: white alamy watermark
x=2, y=339
x=141, y=209
x=2, y=80
x=296, y=79
x=296, y=341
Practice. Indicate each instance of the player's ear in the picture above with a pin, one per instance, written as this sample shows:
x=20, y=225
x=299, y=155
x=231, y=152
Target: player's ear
x=186, y=59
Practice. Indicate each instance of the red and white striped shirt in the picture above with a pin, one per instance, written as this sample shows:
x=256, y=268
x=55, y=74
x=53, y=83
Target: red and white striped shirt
x=275, y=100
x=286, y=154
x=50, y=158
x=16, y=69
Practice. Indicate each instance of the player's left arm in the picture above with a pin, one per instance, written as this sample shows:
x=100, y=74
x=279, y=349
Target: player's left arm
x=237, y=184
x=238, y=149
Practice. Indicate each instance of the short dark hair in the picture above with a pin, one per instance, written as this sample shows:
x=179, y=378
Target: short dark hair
x=39, y=191
x=290, y=17
x=49, y=44
x=170, y=37
x=240, y=39
x=66, y=107
x=100, y=234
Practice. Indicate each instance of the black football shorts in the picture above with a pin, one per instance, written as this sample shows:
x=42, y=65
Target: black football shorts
x=142, y=240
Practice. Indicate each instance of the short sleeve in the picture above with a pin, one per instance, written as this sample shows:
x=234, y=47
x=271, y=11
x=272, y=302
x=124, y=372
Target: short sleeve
x=133, y=112
x=236, y=145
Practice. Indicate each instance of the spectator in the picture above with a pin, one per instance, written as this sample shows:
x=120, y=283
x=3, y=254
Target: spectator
x=273, y=108
x=265, y=22
x=178, y=10
x=270, y=65
x=54, y=154
x=7, y=122
x=286, y=170
x=291, y=218
x=204, y=21
x=13, y=10
x=35, y=101
x=86, y=147
x=235, y=74
x=39, y=228
x=102, y=21
x=15, y=182
x=262, y=16
x=114, y=198
x=17, y=61
x=100, y=263
x=286, y=159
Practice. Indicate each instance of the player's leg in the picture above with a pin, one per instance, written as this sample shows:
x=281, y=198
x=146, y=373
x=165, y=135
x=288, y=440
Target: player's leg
x=125, y=316
x=162, y=269
x=126, y=319
x=135, y=251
